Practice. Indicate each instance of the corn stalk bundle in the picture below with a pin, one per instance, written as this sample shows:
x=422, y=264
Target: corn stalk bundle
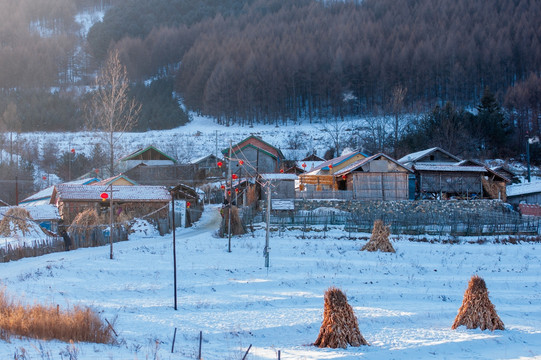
x=379, y=239
x=477, y=311
x=15, y=219
x=85, y=222
x=339, y=327
x=236, y=223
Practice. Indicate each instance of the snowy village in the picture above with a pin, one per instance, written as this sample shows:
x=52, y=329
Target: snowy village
x=270, y=179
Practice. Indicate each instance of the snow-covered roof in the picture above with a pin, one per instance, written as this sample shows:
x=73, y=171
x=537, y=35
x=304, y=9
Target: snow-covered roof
x=523, y=189
x=279, y=176
x=413, y=157
x=43, y=212
x=47, y=192
x=338, y=160
x=449, y=168
x=201, y=158
x=367, y=160
x=120, y=193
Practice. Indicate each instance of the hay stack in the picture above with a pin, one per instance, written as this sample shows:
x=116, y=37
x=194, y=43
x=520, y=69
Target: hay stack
x=236, y=222
x=477, y=311
x=15, y=219
x=339, y=327
x=84, y=222
x=379, y=239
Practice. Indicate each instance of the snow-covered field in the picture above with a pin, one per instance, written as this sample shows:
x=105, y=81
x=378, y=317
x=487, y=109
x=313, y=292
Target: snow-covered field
x=405, y=302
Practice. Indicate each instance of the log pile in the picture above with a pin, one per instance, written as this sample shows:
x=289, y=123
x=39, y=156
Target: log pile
x=477, y=311
x=379, y=240
x=339, y=327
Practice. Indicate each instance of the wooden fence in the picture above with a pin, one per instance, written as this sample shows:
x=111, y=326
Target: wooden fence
x=95, y=237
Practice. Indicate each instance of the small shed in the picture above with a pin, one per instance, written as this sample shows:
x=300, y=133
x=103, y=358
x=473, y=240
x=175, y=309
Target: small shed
x=526, y=193
x=149, y=155
x=134, y=201
x=282, y=185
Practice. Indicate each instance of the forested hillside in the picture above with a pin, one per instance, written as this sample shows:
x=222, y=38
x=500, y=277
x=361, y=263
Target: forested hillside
x=270, y=61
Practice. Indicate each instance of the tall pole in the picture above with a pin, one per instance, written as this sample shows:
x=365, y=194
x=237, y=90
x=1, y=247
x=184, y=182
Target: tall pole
x=528, y=154
x=229, y=192
x=174, y=248
x=267, y=234
x=111, y=223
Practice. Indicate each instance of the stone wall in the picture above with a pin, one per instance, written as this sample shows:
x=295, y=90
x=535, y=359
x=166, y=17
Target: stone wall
x=433, y=207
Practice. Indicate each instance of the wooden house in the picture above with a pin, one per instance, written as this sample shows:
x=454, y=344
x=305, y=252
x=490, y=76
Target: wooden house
x=253, y=156
x=207, y=167
x=378, y=177
x=119, y=180
x=43, y=197
x=322, y=177
x=159, y=175
x=134, y=201
x=149, y=156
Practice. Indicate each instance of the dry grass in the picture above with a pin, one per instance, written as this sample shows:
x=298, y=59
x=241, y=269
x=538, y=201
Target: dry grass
x=85, y=221
x=340, y=326
x=379, y=239
x=50, y=322
x=477, y=311
x=14, y=219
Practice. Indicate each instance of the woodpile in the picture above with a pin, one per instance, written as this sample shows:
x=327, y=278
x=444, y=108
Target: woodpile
x=477, y=311
x=339, y=327
x=379, y=239
x=15, y=219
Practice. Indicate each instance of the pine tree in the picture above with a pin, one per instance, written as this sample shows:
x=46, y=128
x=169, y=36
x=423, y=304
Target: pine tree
x=493, y=124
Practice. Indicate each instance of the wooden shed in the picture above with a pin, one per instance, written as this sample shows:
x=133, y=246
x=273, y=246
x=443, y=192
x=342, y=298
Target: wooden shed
x=378, y=177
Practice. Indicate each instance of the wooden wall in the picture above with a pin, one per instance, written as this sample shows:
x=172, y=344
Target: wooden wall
x=379, y=186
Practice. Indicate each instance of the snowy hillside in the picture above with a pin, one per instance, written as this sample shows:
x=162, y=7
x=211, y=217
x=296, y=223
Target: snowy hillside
x=405, y=303
x=201, y=137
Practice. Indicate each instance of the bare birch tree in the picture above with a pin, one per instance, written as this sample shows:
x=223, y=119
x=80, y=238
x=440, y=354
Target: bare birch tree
x=112, y=112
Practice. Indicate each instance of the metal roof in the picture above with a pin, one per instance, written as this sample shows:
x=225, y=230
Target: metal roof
x=120, y=193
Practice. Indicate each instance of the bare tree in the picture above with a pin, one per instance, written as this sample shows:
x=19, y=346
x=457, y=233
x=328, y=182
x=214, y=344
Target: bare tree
x=397, y=106
x=335, y=131
x=112, y=112
x=11, y=123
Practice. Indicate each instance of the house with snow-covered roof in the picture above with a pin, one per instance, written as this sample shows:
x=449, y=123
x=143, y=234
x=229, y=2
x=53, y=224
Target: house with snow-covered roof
x=254, y=156
x=134, y=201
x=434, y=156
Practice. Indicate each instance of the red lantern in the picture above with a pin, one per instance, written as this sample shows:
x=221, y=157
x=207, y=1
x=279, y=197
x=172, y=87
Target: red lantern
x=73, y=151
x=104, y=196
x=303, y=165
x=220, y=164
x=228, y=192
x=188, y=204
x=237, y=190
x=44, y=177
x=241, y=162
x=222, y=187
x=97, y=171
x=330, y=166
x=281, y=171
x=344, y=177
x=234, y=176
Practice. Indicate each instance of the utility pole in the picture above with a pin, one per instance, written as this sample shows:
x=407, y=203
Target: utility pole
x=174, y=246
x=229, y=193
x=266, y=251
x=111, y=222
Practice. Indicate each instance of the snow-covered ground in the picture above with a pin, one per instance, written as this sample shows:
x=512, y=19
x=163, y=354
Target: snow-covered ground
x=405, y=302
